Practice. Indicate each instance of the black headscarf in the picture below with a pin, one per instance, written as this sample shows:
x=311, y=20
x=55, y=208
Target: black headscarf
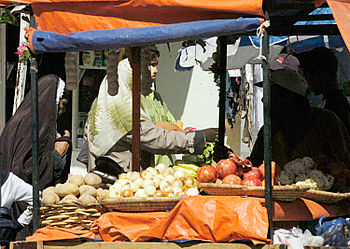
x=16, y=139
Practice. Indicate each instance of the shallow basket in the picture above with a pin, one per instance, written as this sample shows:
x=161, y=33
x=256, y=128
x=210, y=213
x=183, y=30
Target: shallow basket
x=142, y=204
x=74, y=215
x=325, y=196
x=279, y=193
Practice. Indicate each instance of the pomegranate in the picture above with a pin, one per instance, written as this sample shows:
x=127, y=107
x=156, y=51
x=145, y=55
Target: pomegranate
x=206, y=174
x=252, y=182
x=253, y=173
x=232, y=179
x=240, y=171
x=226, y=167
x=275, y=170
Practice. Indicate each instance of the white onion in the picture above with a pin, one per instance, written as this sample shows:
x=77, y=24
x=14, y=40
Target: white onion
x=189, y=181
x=150, y=190
x=116, y=187
x=124, y=182
x=176, y=190
x=122, y=176
x=152, y=170
x=147, y=175
x=125, y=187
x=156, y=180
x=192, y=192
x=169, y=178
x=147, y=182
x=113, y=194
x=165, y=187
x=133, y=175
x=140, y=193
x=178, y=183
x=139, y=181
x=161, y=168
x=179, y=174
x=134, y=186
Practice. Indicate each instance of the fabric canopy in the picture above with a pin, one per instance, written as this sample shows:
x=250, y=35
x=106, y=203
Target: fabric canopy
x=341, y=14
x=43, y=41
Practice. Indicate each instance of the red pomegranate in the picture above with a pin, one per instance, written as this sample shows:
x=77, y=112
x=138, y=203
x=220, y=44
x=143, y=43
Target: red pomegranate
x=232, y=179
x=252, y=182
x=206, y=174
x=253, y=173
x=226, y=167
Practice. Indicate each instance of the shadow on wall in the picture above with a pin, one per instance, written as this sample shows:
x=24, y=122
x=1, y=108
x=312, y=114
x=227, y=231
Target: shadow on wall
x=173, y=86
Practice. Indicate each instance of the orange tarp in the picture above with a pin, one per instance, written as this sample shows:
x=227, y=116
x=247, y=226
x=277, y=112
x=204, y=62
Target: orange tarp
x=208, y=218
x=72, y=16
x=341, y=13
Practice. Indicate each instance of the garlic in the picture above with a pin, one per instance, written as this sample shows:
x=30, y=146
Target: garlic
x=147, y=182
x=179, y=175
x=150, y=190
x=178, y=183
x=161, y=168
x=140, y=193
x=189, y=181
x=122, y=176
x=133, y=175
x=192, y=192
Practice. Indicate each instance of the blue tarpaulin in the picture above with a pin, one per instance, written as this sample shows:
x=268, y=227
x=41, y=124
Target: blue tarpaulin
x=44, y=41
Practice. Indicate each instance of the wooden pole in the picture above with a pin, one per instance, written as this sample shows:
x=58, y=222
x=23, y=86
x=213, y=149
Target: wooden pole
x=3, y=67
x=136, y=99
x=222, y=94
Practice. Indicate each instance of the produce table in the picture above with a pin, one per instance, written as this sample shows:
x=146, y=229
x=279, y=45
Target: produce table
x=140, y=245
x=204, y=218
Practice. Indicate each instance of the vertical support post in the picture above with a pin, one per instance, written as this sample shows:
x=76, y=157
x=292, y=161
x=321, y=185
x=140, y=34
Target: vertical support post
x=222, y=94
x=136, y=99
x=22, y=65
x=267, y=130
x=35, y=140
x=3, y=67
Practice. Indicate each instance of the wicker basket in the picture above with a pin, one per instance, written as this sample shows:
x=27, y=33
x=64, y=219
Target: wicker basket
x=279, y=193
x=142, y=204
x=325, y=196
x=75, y=215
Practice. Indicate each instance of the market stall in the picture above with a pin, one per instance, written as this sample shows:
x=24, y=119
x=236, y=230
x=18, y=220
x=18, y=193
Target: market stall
x=74, y=37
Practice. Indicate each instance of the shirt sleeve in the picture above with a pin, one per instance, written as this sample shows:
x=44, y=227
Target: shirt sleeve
x=23, y=192
x=156, y=140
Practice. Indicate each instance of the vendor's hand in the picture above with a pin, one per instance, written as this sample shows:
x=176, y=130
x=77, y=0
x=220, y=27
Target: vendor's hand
x=220, y=152
x=211, y=134
x=62, y=146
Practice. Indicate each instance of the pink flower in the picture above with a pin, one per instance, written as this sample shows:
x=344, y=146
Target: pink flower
x=21, y=49
x=20, y=53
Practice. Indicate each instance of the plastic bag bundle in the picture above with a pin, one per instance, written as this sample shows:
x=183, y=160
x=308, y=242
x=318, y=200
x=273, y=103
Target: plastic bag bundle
x=335, y=232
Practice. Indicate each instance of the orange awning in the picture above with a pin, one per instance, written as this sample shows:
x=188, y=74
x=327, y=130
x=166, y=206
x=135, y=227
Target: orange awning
x=81, y=15
x=341, y=13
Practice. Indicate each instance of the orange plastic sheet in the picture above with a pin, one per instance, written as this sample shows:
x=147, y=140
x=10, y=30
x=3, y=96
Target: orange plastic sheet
x=341, y=13
x=63, y=16
x=208, y=218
